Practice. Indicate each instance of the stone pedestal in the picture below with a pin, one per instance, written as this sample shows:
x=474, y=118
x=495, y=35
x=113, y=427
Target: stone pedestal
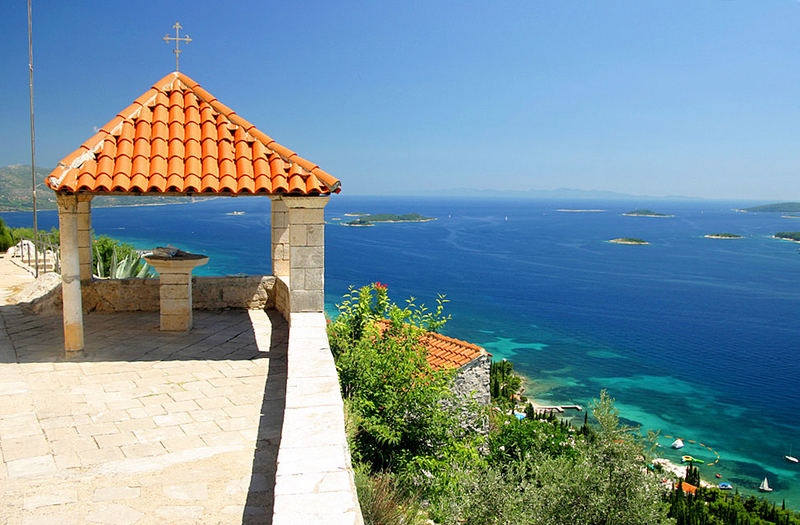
x=175, y=290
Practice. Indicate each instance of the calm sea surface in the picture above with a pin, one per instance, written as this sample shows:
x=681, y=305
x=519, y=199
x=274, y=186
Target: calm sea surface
x=694, y=337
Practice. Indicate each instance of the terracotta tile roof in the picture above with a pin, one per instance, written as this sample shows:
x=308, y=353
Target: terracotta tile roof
x=445, y=352
x=177, y=137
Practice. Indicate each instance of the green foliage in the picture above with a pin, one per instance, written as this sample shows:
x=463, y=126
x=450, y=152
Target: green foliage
x=712, y=506
x=383, y=501
x=599, y=481
x=400, y=403
x=6, y=239
x=504, y=384
x=791, y=236
x=514, y=439
x=116, y=260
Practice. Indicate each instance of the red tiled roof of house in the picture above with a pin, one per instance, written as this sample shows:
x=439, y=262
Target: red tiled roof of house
x=177, y=137
x=445, y=352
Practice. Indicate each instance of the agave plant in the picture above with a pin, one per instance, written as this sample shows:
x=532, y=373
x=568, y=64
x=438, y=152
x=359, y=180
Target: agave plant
x=129, y=266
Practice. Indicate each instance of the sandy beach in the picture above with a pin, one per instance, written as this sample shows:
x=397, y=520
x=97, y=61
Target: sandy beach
x=678, y=470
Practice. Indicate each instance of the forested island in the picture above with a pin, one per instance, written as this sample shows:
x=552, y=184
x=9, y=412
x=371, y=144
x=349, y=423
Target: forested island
x=780, y=207
x=369, y=220
x=788, y=236
x=645, y=213
x=723, y=236
x=628, y=240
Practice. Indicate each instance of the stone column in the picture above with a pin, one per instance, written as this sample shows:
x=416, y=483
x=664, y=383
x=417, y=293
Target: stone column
x=307, y=253
x=70, y=272
x=280, y=237
x=175, y=289
x=85, y=236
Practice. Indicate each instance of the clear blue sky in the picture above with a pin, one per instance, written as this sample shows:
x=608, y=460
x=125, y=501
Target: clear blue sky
x=666, y=97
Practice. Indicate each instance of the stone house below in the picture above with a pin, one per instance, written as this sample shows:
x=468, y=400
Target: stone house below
x=471, y=361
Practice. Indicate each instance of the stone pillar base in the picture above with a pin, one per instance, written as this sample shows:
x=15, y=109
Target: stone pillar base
x=175, y=289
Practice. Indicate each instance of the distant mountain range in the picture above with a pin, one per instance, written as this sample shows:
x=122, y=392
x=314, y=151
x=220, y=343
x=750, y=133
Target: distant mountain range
x=562, y=194
x=15, y=192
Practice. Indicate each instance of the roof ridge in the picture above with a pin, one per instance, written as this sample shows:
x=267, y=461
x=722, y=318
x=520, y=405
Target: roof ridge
x=285, y=153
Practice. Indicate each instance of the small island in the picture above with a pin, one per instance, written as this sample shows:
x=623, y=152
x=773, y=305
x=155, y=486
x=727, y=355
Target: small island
x=780, y=207
x=370, y=220
x=788, y=236
x=628, y=240
x=645, y=213
x=790, y=216
x=723, y=236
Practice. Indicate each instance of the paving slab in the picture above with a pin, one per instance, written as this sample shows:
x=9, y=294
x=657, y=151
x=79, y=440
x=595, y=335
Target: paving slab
x=142, y=426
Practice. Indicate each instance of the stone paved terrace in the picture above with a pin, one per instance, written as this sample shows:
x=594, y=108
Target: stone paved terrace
x=144, y=426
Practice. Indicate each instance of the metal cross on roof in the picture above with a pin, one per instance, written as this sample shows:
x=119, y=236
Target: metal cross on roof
x=178, y=39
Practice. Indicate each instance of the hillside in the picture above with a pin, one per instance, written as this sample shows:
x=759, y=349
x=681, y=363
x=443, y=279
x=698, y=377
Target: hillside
x=781, y=207
x=15, y=189
x=15, y=192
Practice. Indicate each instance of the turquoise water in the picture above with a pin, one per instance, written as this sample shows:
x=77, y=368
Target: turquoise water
x=694, y=337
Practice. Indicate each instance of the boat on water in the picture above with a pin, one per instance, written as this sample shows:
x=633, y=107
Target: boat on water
x=678, y=443
x=764, y=487
x=717, y=474
x=791, y=459
x=725, y=486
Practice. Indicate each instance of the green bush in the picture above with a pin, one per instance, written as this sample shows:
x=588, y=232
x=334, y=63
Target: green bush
x=383, y=501
x=399, y=401
x=6, y=239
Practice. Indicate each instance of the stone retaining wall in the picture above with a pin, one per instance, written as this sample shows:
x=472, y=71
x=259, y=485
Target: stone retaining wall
x=141, y=295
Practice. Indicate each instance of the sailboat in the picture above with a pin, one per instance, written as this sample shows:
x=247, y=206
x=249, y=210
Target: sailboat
x=764, y=487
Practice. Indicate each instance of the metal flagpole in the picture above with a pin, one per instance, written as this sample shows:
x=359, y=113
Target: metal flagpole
x=33, y=150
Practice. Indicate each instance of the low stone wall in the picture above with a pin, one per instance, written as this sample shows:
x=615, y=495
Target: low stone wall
x=142, y=295
x=314, y=481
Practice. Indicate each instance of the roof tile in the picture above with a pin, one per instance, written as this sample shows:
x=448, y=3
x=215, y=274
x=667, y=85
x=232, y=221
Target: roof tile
x=177, y=137
x=443, y=351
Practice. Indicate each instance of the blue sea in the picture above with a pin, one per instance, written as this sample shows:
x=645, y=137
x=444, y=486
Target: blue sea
x=696, y=338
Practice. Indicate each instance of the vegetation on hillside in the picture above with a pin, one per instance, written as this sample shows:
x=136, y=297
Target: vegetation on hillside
x=15, y=189
x=406, y=429
x=15, y=192
x=415, y=459
x=780, y=207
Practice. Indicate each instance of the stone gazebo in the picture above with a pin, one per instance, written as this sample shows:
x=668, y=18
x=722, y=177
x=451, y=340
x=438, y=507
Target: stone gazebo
x=178, y=140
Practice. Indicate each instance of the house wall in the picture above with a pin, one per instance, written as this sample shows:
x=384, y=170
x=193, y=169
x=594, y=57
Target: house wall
x=472, y=379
